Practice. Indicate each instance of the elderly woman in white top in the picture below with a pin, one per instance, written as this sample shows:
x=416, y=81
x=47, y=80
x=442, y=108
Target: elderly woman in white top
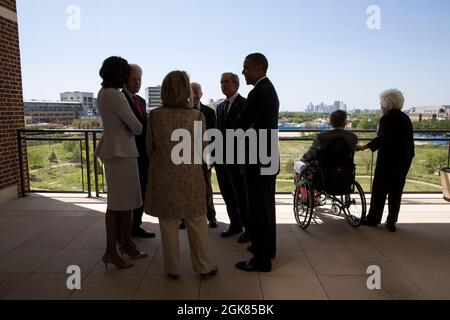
x=117, y=149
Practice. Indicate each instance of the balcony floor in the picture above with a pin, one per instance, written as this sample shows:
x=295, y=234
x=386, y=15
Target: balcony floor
x=42, y=234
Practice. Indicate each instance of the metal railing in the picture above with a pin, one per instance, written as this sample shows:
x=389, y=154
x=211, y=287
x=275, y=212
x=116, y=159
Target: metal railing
x=88, y=138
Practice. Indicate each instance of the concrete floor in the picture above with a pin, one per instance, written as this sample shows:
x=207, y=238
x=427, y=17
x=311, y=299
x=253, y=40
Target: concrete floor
x=42, y=234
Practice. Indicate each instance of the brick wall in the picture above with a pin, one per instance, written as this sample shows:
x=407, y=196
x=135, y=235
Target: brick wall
x=8, y=4
x=11, y=99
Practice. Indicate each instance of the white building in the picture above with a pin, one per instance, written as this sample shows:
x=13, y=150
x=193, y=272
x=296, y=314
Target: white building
x=153, y=97
x=429, y=113
x=85, y=98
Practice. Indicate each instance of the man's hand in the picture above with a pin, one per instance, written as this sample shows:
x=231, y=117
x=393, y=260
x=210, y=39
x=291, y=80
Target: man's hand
x=360, y=147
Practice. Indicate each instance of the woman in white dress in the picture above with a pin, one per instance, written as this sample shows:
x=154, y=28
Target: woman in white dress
x=117, y=149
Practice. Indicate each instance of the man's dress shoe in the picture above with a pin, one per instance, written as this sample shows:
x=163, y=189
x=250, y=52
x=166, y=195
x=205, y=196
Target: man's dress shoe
x=251, y=266
x=141, y=233
x=230, y=232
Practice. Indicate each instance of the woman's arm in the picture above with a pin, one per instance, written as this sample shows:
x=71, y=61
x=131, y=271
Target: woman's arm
x=122, y=109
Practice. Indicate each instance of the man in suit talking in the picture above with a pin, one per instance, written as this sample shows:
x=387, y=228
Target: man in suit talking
x=231, y=182
x=138, y=106
x=261, y=115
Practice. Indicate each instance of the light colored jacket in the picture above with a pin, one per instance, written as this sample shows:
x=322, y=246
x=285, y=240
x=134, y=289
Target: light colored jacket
x=120, y=126
x=173, y=191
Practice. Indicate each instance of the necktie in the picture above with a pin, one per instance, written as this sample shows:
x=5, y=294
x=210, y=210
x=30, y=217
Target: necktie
x=137, y=105
x=227, y=107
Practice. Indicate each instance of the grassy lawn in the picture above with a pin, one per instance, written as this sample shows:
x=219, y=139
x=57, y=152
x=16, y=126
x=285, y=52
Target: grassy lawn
x=63, y=173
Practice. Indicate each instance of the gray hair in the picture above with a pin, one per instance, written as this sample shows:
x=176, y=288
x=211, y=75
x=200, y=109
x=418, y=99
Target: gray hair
x=176, y=90
x=196, y=84
x=234, y=77
x=135, y=67
x=392, y=99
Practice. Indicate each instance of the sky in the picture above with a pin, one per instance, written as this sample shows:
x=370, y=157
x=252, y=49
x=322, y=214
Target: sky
x=318, y=51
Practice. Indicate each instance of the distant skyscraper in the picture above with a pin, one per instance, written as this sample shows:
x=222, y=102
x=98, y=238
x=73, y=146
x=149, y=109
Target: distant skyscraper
x=153, y=96
x=85, y=98
x=339, y=105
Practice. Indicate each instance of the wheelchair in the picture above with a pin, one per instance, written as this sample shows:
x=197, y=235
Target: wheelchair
x=329, y=181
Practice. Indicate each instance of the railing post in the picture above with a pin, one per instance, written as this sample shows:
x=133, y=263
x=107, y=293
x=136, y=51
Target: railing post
x=448, y=157
x=94, y=145
x=82, y=166
x=371, y=174
x=22, y=179
x=88, y=163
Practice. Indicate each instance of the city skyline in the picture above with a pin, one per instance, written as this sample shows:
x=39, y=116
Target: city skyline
x=317, y=51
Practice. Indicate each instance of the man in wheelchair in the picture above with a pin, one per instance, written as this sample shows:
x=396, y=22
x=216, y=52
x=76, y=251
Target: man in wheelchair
x=331, y=154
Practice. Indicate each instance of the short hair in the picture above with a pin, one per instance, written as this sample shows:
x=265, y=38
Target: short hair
x=392, y=99
x=196, y=84
x=135, y=67
x=234, y=77
x=259, y=59
x=176, y=90
x=115, y=72
x=338, y=119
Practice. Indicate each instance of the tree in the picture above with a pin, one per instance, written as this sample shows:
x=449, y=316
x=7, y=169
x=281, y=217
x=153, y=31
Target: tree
x=52, y=157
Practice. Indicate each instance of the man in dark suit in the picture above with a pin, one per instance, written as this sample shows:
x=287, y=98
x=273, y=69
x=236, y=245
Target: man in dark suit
x=232, y=183
x=210, y=119
x=261, y=115
x=138, y=105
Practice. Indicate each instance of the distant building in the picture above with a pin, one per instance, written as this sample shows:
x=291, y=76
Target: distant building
x=324, y=108
x=153, y=97
x=429, y=113
x=85, y=98
x=214, y=103
x=52, y=112
x=338, y=105
x=310, y=107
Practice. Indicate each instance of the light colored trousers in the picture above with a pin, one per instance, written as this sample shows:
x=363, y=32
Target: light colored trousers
x=197, y=230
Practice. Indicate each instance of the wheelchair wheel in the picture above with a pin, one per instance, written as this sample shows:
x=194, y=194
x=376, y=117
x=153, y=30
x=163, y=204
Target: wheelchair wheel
x=303, y=203
x=355, y=205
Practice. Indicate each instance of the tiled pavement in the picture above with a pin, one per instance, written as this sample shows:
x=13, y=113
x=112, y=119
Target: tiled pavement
x=42, y=234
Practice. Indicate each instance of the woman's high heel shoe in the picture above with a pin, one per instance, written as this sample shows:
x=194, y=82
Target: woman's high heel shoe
x=210, y=274
x=134, y=254
x=118, y=263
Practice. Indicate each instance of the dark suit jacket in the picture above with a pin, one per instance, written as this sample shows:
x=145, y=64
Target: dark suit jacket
x=395, y=139
x=261, y=112
x=210, y=116
x=324, y=138
x=229, y=121
x=140, y=139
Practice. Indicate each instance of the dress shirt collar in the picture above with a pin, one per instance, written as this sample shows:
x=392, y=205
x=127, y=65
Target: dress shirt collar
x=257, y=82
x=232, y=99
x=129, y=93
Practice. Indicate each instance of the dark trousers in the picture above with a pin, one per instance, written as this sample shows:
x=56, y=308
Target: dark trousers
x=389, y=180
x=261, y=190
x=233, y=187
x=143, y=175
x=211, y=213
